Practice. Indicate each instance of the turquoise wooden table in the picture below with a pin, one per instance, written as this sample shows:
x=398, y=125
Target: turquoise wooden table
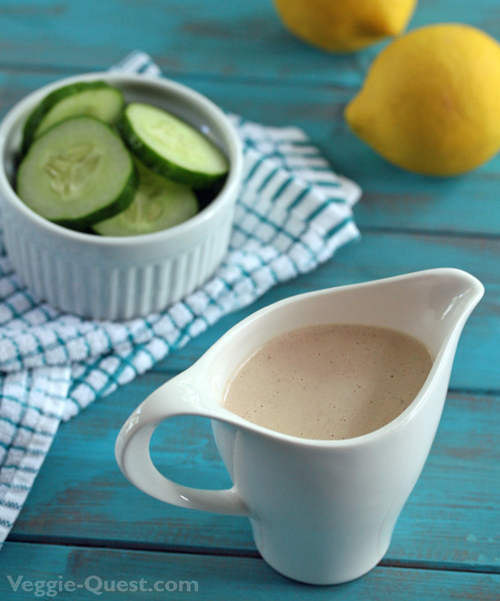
x=83, y=520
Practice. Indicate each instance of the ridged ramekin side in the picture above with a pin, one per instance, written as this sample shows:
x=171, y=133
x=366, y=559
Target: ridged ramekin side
x=100, y=291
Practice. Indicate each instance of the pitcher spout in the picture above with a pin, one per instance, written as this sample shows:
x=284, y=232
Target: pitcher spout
x=452, y=296
x=456, y=295
x=432, y=305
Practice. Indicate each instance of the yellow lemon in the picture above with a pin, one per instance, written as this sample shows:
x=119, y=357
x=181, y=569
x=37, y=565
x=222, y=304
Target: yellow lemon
x=431, y=100
x=345, y=25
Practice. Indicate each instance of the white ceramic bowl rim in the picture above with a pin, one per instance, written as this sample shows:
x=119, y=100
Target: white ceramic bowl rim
x=205, y=106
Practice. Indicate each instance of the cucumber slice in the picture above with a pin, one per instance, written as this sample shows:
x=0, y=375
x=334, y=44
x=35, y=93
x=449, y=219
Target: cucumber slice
x=171, y=147
x=158, y=204
x=77, y=173
x=94, y=98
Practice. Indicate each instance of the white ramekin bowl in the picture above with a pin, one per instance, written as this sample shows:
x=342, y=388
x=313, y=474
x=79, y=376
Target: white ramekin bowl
x=119, y=278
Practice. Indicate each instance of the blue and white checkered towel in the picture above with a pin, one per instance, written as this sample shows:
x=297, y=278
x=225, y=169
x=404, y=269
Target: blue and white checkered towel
x=293, y=214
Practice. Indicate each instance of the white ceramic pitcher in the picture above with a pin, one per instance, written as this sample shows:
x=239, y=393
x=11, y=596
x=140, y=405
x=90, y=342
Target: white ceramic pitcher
x=321, y=512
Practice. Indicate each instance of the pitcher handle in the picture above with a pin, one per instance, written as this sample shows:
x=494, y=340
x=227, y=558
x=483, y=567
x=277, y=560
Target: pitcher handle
x=133, y=456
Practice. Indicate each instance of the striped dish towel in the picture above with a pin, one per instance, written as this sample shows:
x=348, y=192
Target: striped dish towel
x=293, y=214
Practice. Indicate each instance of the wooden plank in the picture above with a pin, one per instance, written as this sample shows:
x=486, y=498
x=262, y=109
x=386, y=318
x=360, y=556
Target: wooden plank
x=214, y=37
x=459, y=488
x=451, y=518
x=96, y=572
x=393, y=199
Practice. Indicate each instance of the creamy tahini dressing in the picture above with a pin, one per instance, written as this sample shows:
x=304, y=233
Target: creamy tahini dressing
x=329, y=381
